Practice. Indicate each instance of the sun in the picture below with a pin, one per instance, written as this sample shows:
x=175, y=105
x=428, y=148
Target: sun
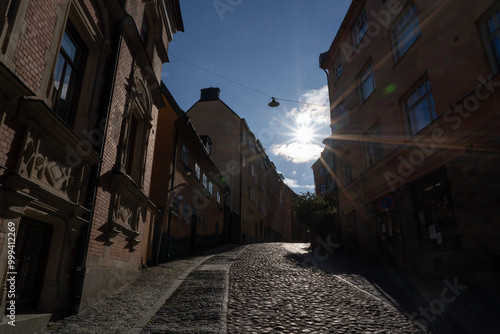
x=304, y=134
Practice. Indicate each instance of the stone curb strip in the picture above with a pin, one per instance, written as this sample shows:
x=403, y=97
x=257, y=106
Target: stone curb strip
x=176, y=283
x=138, y=327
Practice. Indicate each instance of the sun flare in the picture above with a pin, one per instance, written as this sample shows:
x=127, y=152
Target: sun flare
x=304, y=134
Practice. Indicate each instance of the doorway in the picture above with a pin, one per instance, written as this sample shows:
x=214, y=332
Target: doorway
x=32, y=252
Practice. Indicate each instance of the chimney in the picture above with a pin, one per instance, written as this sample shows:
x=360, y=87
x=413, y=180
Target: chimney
x=210, y=94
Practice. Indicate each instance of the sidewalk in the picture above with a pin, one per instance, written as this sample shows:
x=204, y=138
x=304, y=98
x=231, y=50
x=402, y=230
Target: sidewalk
x=442, y=305
x=142, y=306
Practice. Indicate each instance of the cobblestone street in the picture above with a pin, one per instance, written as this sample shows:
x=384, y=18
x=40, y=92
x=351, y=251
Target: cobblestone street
x=272, y=288
x=271, y=292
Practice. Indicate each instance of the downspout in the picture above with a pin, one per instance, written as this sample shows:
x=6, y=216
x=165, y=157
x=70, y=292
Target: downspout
x=95, y=172
x=228, y=225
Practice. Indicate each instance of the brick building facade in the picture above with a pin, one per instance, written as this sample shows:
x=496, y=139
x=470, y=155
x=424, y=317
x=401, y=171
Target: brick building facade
x=414, y=102
x=78, y=106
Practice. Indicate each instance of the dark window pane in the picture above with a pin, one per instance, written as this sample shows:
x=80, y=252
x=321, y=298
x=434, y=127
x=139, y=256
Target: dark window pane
x=59, y=72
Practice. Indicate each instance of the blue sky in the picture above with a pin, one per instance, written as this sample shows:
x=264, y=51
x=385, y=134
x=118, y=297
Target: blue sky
x=265, y=48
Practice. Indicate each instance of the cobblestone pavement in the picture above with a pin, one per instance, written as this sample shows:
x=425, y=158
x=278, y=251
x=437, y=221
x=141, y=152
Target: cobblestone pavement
x=129, y=309
x=274, y=289
x=272, y=293
x=199, y=304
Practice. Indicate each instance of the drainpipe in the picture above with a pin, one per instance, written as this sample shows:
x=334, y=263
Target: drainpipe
x=229, y=224
x=95, y=172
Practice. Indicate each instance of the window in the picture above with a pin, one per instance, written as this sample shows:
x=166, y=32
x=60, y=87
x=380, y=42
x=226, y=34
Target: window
x=244, y=187
x=339, y=116
x=210, y=188
x=323, y=188
x=366, y=81
x=197, y=171
x=218, y=197
x=322, y=171
x=244, y=137
x=419, y=107
x=372, y=145
x=252, y=170
x=175, y=205
x=341, y=110
x=337, y=67
x=68, y=75
x=346, y=167
x=244, y=161
x=205, y=181
x=359, y=29
x=405, y=32
x=491, y=33
x=185, y=155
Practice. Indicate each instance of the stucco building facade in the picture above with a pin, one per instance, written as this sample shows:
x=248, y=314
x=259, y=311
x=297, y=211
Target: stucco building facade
x=247, y=170
x=192, y=194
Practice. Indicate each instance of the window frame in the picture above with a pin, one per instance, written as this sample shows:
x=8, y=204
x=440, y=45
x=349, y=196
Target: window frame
x=204, y=180
x=210, y=188
x=185, y=154
x=492, y=52
x=175, y=205
x=197, y=171
x=398, y=38
x=372, y=144
x=337, y=66
x=424, y=81
x=362, y=78
x=69, y=117
x=359, y=28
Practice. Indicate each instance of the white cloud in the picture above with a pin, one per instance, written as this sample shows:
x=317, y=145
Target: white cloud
x=292, y=183
x=314, y=109
x=297, y=152
x=294, y=172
